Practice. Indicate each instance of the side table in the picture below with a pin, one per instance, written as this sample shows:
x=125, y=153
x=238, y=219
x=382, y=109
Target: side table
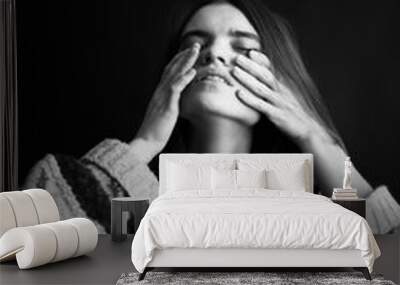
x=355, y=205
x=120, y=209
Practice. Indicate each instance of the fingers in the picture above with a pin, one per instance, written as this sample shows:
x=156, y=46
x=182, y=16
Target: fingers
x=257, y=103
x=167, y=93
x=177, y=75
x=254, y=86
x=182, y=62
x=176, y=57
x=191, y=59
x=260, y=58
x=179, y=84
x=258, y=70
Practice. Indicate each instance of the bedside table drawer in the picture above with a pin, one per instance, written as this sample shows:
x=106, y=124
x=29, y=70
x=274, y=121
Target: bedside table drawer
x=357, y=206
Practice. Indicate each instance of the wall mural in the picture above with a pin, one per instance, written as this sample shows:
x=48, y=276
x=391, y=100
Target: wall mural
x=105, y=88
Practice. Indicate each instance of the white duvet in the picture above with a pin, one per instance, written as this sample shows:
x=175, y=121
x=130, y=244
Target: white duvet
x=250, y=218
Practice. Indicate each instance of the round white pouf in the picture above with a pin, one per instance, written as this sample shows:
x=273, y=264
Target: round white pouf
x=40, y=244
x=33, y=246
x=87, y=233
x=7, y=218
x=67, y=240
x=45, y=205
x=23, y=208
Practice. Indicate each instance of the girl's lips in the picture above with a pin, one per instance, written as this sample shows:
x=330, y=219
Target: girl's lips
x=214, y=78
x=214, y=75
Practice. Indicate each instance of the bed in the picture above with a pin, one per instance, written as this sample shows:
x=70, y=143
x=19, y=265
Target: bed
x=247, y=211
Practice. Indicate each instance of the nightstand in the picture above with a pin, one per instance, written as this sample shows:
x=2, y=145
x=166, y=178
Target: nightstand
x=355, y=205
x=120, y=209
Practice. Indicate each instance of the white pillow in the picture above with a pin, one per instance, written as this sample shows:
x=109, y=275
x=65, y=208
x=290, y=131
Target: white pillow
x=208, y=161
x=282, y=174
x=226, y=179
x=251, y=178
x=223, y=179
x=187, y=177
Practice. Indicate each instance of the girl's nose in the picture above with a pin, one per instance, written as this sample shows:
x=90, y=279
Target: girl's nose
x=210, y=58
x=216, y=53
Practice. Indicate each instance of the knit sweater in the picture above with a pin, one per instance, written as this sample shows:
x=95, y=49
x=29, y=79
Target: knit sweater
x=84, y=187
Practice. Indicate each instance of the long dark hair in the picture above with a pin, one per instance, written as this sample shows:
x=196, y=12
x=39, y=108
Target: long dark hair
x=279, y=44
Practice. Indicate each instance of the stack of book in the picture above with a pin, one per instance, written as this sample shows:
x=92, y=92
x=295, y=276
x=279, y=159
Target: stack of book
x=344, y=194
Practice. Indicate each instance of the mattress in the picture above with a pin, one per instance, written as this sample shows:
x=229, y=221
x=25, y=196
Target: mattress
x=250, y=218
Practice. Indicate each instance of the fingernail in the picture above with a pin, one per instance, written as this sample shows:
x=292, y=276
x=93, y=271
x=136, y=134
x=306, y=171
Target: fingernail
x=251, y=53
x=196, y=46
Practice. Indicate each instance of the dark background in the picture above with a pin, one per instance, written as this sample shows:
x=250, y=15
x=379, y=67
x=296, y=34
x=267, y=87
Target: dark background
x=88, y=68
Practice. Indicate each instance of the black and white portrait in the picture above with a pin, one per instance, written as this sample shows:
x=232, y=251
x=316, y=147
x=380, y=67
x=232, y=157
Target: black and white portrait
x=106, y=86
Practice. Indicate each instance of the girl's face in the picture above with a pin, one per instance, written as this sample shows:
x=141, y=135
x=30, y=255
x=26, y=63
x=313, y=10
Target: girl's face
x=223, y=33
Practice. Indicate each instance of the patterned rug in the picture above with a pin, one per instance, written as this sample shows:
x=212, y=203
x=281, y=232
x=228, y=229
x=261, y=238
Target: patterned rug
x=244, y=278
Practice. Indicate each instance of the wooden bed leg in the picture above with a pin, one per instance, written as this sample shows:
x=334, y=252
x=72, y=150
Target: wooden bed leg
x=142, y=275
x=364, y=271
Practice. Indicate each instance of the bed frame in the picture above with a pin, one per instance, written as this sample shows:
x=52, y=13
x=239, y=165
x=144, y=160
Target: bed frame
x=248, y=259
x=260, y=259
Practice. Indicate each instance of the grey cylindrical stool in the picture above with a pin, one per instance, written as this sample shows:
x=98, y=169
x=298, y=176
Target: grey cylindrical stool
x=120, y=209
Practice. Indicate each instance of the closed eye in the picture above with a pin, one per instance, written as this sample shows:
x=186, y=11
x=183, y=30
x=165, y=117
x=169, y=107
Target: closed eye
x=191, y=37
x=244, y=50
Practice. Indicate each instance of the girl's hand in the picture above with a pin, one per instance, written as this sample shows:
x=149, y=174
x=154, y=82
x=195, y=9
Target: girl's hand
x=263, y=92
x=163, y=109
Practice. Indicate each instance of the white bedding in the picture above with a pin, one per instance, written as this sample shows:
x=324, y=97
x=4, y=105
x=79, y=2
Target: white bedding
x=251, y=218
